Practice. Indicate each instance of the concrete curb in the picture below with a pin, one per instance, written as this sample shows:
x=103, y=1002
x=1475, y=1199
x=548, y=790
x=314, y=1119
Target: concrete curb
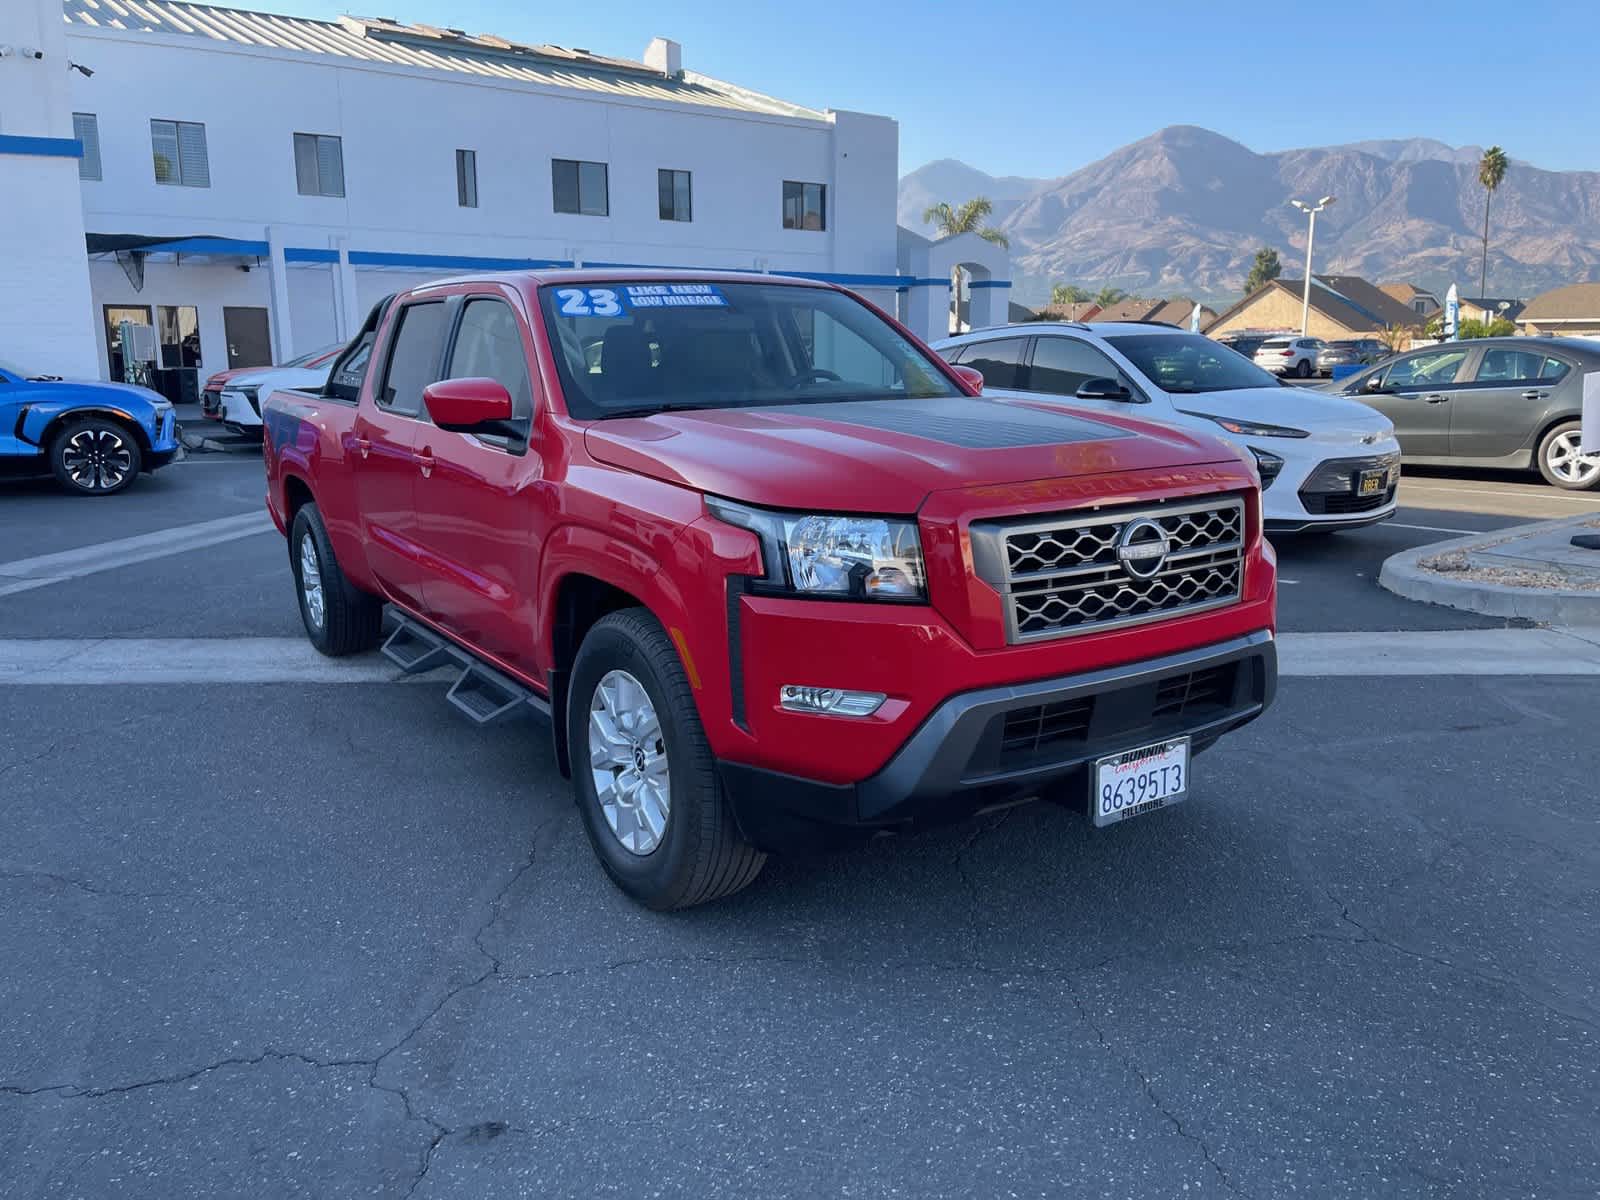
x=1402, y=575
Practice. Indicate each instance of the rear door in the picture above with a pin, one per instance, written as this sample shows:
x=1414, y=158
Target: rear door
x=1416, y=393
x=1498, y=412
x=1003, y=363
x=481, y=527
x=383, y=458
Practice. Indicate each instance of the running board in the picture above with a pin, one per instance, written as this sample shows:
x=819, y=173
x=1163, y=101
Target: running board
x=481, y=692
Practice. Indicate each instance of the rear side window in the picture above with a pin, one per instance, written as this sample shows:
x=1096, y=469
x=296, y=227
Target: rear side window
x=489, y=346
x=1506, y=366
x=1062, y=365
x=999, y=362
x=1553, y=369
x=413, y=357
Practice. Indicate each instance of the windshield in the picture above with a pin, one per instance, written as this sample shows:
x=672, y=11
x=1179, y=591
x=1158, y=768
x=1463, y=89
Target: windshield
x=639, y=347
x=1186, y=363
x=311, y=356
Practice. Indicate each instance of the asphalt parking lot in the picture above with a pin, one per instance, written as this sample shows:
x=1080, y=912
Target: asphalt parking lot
x=323, y=939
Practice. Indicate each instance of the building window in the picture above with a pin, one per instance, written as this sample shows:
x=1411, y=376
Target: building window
x=674, y=197
x=467, y=178
x=804, y=205
x=580, y=187
x=178, y=335
x=87, y=130
x=318, y=164
x=179, y=151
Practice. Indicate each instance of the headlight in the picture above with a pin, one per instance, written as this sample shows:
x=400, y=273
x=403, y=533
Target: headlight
x=1251, y=428
x=845, y=555
x=1268, y=465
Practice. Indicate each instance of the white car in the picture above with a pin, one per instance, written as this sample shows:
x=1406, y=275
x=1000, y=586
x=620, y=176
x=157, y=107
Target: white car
x=1326, y=462
x=242, y=395
x=1289, y=355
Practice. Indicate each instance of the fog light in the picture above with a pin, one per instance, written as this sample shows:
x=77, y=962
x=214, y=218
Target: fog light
x=1268, y=465
x=836, y=702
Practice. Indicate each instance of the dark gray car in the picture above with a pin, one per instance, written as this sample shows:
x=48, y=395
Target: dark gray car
x=1510, y=402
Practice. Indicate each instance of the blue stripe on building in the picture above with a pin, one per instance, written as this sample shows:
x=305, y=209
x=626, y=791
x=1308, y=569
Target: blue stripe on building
x=41, y=147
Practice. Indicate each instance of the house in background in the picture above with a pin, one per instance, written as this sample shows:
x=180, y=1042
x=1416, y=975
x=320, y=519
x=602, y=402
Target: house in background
x=1176, y=311
x=1487, y=308
x=1342, y=306
x=1571, y=311
x=1419, y=300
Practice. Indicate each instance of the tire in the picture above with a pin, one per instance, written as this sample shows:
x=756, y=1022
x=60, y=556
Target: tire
x=95, y=456
x=1302, y=369
x=1558, y=461
x=689, y=852
x=339, y=617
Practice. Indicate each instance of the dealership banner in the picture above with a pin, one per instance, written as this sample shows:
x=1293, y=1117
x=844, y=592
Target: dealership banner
x=1589, y=438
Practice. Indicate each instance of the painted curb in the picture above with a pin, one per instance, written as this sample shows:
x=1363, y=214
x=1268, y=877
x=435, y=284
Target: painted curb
x=1402, y=575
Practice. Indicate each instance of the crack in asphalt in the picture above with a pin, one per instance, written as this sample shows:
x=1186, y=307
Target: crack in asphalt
x=1148, y=1088
x=1587, y=1020
x=10, y=871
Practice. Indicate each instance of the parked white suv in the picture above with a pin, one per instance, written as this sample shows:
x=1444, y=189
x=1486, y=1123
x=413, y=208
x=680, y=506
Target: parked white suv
x=1289, y=355
x=1322, y=466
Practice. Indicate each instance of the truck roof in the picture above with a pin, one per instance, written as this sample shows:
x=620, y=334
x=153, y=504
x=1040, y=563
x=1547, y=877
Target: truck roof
x=529, y=279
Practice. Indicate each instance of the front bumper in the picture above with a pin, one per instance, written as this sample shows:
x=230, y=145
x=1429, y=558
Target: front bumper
x=1317, y=487
x=992, y=744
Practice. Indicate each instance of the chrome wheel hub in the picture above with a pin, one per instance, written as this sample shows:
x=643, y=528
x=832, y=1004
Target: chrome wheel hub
x=97, y=460
x=628, y=759
x=311, y=581
x=1567, y=464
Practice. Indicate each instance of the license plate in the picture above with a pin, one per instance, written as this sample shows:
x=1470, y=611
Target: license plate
x=1135, y=782
x=1370, y=483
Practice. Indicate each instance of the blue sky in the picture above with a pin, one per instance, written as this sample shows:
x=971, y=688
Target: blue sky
x=1042, y=88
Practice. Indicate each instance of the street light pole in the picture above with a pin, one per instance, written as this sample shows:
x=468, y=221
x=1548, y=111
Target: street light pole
x=1311, y=237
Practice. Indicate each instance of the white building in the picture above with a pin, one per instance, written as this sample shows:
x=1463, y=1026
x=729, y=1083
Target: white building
x=251, y=184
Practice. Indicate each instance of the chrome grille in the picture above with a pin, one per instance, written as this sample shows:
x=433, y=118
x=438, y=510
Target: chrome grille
x=1063, y=574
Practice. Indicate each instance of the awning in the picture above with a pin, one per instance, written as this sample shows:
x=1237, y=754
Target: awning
x=108, y=243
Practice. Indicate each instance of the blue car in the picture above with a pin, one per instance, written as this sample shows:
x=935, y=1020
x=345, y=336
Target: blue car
x=94, y=438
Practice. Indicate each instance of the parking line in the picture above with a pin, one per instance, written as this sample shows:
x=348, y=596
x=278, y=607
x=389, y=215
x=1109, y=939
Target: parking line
x=89, y=661
x=26, y=574
x=1530, y=494
x=1434, y=528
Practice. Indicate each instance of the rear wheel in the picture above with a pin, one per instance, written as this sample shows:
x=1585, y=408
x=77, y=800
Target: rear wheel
x=339, y=617
x=643, y=774
x=95, y=457
x=1560, y=462
x=1303, y=368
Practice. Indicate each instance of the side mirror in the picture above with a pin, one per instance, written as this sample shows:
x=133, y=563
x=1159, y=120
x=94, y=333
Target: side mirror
x=1103, y=389
x=971, y=377
x=1374, y=384
x=474, y=405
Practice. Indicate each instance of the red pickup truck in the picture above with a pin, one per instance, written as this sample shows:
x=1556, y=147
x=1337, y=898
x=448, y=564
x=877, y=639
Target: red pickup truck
x=777, y=574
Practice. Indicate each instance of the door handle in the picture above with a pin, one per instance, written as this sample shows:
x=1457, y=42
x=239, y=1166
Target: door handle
x=425, y=461
x=1532, y=394
x=1437, y=399
x=364, y=445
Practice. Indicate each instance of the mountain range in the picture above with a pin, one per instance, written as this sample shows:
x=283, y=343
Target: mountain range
x=1183, y=212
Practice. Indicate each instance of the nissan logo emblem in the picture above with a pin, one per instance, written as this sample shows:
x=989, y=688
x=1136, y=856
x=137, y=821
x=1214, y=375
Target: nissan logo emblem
x=1142, y=548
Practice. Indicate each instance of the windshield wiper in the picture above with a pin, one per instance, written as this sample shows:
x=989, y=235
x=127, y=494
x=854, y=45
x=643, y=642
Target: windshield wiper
x=650, y=410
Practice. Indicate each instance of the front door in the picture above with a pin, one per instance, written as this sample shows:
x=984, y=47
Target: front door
x=1062, y=364
x=249, y=342
x=1416, y=394
x=385, y=434
x=1498, y=413
x=478, y=518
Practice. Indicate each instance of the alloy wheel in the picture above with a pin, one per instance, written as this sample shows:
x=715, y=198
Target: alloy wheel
x=628, y=760
x=1567, y=464
x=311, y=582
x=97, y=459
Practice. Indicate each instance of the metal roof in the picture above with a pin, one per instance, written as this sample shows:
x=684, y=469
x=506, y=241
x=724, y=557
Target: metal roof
x=381, y=40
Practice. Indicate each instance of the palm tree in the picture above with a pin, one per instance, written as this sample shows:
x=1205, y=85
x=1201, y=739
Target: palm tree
x=1069, y=296
x=1108, y=295
x=1491, y=173
x=967, y=218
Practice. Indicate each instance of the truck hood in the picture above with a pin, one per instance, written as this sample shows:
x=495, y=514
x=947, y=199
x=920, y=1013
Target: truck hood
x=883, y=455
x=1317, y=412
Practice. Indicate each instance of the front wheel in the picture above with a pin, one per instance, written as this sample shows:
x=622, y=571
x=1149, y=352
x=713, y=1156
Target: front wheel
x=643, y=774
x=339, y=617
x=95, y=457
x=1560, y=462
